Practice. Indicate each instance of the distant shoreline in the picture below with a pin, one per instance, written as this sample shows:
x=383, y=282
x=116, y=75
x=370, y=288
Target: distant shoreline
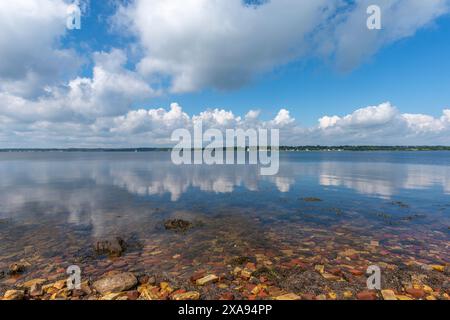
x=282, y=148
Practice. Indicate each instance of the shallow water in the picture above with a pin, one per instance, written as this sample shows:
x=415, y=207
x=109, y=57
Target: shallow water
x=53, y=207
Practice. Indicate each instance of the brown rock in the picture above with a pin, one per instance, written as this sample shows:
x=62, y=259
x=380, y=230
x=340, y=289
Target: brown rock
x=416, y=293
x=437, y=267
x=114, y=246
x=227, y=296
x=143, y=279
x=14, y=295
x=36, y=290
x=85, y=288
x=246, y=274
x=60, y=284
x=133, y=295
x=60, y=295
x=388, y=295
x=207, y=279
x=319, y=268
x=348, y=294
x=30, y=283
x=366, y=295
x=191, y=295
x=112, y=296
x=356, y=272
x=197, y=275
x=16, y=268
x=148, y=293
x=335, y=271
x=251, y=266
x=78, y=293
x=177, y=225
x=288, y=296
x=329, y=276
x=308, y=296
x=116, y=283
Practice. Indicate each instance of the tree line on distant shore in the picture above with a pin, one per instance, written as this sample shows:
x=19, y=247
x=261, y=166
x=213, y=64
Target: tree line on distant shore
x=281, y=148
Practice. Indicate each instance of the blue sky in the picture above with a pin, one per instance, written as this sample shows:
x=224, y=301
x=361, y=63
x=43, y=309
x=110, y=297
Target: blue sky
x=413, y=73
x=298, y=64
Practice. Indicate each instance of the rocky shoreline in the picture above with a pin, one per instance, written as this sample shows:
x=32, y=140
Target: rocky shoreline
x=191, y=263
x=247, y=280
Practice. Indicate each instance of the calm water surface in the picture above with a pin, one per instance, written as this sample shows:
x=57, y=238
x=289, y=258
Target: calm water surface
x=53, y=206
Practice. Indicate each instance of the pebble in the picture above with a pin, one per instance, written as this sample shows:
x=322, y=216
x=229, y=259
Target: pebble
x=227, y=296
x=16, y=268
x=133, y=295
x=191, y=295
x=288, y=296
x=116, y=283
x=388, y=295
x=112, y=296
x=332, y=295
x=329, y=276
x=403, y=297
x=207, y=279
x=348, y=294
x=30, y=283
x=438, y=268
x=14, y=295
x=356, y=272
x=366, y=295
x=416, y=293
x=319, y=268
x=36, y=290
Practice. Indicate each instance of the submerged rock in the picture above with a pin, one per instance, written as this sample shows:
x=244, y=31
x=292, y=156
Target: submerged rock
x=416, y=293
x=177, y=225
x=17, y=268
x=191, y=295
x=36, y=290
x=116, y=283
x=240, y=261
x=366, y=295
x=288, y=296
x=14, y=295
x=400, y=204
x=312, y=199
x=207, y=279
x=113, y=247
x=388, y=295
x=447, y=270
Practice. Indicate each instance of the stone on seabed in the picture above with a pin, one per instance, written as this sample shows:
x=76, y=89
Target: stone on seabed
x=14, y=295
x=36, y=290
x=388, y=295
x=191, y=295
x=438, y=268
x=366, y=295
x=16, y=268
x=207, y=279
x=288, y=296
x=114, y=246
x=116, y=283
